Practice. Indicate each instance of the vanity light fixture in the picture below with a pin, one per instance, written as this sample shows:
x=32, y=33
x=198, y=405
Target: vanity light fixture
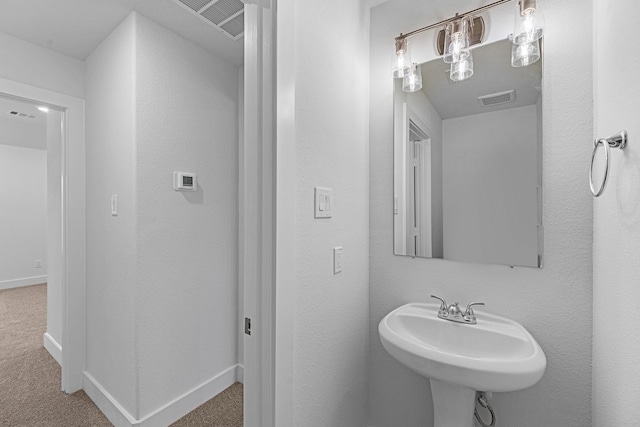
x=463, y=31
x=529, y=22
x=413, y=81
x=460, y=32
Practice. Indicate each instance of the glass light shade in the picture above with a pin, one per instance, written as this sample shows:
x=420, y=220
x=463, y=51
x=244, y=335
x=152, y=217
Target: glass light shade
x=525, y=54
x=401, y=59
x=462, y=70
x=456, y=41
x=529, y=22
x=413, y=81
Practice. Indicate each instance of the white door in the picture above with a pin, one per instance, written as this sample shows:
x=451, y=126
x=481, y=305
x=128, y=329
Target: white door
x=616, y=222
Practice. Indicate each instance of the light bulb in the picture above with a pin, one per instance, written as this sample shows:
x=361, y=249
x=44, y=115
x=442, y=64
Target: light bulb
x=456, y=42
x=525, y=54
x=402, y=68
x=529, y=22
x=526, y=32
x=462, y=70
x=402, y=60
x=413, y=81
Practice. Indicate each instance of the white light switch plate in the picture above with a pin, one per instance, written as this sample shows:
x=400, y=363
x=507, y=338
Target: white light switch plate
x=114, y=205
x=337, y=260
x=323, y=202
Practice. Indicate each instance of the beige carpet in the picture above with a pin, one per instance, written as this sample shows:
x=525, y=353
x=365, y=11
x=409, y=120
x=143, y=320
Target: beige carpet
x=30, y=378
x=224, y=410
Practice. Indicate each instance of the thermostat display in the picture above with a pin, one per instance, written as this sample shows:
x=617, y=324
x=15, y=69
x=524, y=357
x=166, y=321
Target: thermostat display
x=185, y=181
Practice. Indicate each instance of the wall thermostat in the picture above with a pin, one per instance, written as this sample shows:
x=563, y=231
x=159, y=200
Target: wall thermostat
x=185, y=181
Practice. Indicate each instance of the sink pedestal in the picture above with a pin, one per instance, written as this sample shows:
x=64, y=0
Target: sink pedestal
x=453, y=405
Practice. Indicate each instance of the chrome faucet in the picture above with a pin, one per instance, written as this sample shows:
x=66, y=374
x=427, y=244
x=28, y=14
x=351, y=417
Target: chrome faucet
x=454, y=313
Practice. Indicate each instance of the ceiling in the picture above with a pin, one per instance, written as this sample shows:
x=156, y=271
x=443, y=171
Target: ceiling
x=493, y=73
x=76, y=27
x=26, y=129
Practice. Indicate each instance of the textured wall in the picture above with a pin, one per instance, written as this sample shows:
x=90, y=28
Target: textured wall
x=28, y=63
x=331, y=137
x=111, y=252
x=162, y=294
x=23, y=194
x=553, y=303
x=616, y=237
x=186, y=281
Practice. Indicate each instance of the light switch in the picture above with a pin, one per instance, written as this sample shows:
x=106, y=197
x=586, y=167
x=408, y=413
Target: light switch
x=114, y=205
x=337, y=260
x=323, y=202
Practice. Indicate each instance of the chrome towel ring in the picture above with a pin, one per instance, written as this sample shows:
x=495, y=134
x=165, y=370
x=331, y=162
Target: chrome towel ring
x=618, y=140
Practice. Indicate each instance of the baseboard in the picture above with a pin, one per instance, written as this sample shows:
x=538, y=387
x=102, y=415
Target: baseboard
x=240, y=373
x=27, y=281
x=189, y=401
x=54, y=349
x=167, y=414
x=109, y=406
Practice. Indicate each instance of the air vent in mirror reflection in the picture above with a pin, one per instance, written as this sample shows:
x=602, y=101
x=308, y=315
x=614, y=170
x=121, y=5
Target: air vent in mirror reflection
x=497, y=98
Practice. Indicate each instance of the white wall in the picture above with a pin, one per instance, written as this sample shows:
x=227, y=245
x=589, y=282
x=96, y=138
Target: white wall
x=22, y=133
x=546, y=301
x=186, y=280
x=162, y=297
x=28, y=63
x=111, y=240
x=328, y=51
x=23, y=193
x=54, y=226
x=490, y=187
x=616, y=234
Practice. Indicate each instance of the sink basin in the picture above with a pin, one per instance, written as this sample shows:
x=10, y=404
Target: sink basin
x=497, y=354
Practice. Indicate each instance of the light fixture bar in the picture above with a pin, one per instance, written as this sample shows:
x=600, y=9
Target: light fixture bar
x=453, y=18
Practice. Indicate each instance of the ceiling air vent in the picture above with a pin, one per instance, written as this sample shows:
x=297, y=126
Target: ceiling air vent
x=19, y=114
x=497, y=98
x=227, y=16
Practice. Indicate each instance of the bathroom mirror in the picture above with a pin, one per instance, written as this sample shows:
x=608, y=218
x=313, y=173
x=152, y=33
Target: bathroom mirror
x=468, y=162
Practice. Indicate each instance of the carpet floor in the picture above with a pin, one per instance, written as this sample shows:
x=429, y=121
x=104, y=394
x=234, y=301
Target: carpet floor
x=30, y=393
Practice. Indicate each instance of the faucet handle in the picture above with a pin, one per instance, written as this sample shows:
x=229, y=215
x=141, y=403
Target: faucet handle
x=469, y=310
x=443, y=303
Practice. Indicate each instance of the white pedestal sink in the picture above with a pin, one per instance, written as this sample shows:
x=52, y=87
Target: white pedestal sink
x=496, y=354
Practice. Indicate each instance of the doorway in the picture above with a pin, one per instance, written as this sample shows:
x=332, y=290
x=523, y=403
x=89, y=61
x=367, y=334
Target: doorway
x=30, y=167
x=70, y=245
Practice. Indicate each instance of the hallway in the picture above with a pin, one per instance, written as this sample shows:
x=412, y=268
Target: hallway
x=30, y=378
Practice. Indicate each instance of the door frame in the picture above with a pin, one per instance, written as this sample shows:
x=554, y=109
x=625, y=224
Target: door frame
x=73, y=268
x=267, y=200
